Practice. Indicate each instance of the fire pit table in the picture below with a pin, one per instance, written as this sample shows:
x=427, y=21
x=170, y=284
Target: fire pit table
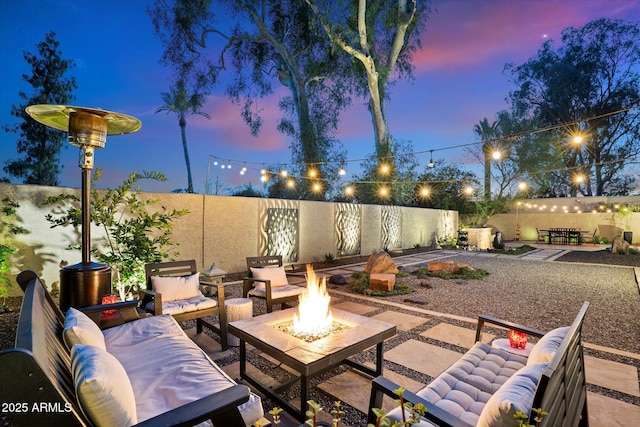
x=356, y=333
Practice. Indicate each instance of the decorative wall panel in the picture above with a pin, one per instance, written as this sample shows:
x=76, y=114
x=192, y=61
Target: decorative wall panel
x=279, y=229
x=391, y=227
x=348, y=228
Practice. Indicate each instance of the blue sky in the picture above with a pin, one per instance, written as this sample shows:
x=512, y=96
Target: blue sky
x=458, y=82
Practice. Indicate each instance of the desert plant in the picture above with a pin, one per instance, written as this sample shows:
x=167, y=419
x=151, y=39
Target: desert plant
x=8, y=228
x=329, y=259
x=415, y=412
x=136, y=235
x=521, y=417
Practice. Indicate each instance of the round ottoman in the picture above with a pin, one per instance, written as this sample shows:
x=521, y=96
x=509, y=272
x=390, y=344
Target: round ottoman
x=237, y=309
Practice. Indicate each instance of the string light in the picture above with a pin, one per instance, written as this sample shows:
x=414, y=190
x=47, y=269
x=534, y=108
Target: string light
x=385, y=168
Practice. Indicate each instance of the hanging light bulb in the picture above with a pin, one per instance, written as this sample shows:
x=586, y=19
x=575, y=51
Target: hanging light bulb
x=384, y=168
x=215, y=162
x=229, y=165
x=312, y=173
x=384, y=191
x=431, y=164
x=263, y=171
x=317, y=187
x=496, y=154
x=222, y=166
x=283, y=173
x=342, y=172
x=264, y=178
x=348, y=190
x=291, y=183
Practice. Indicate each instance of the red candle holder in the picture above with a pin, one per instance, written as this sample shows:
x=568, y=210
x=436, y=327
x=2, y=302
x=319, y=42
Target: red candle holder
x=109, y=299
x=517, y=339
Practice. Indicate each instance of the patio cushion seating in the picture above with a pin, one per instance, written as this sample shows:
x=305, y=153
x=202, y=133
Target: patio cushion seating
x=175, y=288
x=149, y=363
x=487, y=385
x=80, y=329
x=103, y=387
x=267, y=279
x=547, y=346
x=516, y=394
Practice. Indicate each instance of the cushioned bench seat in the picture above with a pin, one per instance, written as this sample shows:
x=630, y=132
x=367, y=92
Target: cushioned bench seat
x=167, y=369
x=487, y=386
x=465, y=387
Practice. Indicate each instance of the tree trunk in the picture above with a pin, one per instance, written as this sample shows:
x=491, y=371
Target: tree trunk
x=183, y=132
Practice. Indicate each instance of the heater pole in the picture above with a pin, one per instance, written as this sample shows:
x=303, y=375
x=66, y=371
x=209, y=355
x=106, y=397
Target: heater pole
x=86, y=215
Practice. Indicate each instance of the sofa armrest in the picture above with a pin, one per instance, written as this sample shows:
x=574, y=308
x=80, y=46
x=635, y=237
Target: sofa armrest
x=148, y=295
x=221, y=408
x=485, y=319
x=382, y=386
x=126, y=311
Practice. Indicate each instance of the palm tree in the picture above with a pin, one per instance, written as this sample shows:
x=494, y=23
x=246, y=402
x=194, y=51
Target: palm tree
x=486, y=132
x=179, y=101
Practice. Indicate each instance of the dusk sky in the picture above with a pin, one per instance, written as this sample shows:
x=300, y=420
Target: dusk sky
x=458, y=74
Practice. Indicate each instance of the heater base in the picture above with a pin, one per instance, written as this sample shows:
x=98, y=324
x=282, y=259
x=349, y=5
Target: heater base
x=84, y=284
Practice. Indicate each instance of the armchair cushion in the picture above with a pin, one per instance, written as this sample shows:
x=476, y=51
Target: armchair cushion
x=102, y=386
x=516, y=394
x=80, y=329
x=278, y=292
x=276, y=275
x=546, y=348
x=175, y=288
x=183, y=305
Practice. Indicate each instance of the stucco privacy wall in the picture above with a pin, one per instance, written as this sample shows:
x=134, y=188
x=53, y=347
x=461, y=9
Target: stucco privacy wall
x=607, y=224
x=224, y=230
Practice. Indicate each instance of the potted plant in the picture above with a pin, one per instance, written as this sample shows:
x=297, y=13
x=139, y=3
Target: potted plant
x=625, y=212
x=135, y=233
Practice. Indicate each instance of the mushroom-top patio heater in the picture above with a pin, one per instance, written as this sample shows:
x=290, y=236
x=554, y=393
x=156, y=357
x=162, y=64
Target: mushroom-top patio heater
x=84, y=284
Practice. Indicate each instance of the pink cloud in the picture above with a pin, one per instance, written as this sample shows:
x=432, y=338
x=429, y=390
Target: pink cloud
x=230, y=131
x=488, y=29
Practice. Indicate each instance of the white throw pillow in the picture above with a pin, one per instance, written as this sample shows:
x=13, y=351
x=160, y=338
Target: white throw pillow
x=546, y=348
x=103, y=387
x=80, y=329
x=174, y=288
x=516, y=394
x=276, y=275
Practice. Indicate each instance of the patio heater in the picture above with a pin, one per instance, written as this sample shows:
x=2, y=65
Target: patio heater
x=84, y=284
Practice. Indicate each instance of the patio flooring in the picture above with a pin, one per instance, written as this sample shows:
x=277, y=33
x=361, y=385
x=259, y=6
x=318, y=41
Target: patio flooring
x=446, y=343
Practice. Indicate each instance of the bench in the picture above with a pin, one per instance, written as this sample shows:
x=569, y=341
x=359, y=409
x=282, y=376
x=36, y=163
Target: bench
x=172, y=381
x=487, y=385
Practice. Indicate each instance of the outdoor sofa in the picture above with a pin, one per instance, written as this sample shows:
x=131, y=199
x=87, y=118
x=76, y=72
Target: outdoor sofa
x=487, y=385
x=64, y=370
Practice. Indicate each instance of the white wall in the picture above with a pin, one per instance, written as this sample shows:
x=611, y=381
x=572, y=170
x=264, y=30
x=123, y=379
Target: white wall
x=224, y=230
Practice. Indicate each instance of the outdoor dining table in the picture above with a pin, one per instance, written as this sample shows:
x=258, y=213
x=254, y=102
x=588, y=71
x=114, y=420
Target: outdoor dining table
x=565, y=236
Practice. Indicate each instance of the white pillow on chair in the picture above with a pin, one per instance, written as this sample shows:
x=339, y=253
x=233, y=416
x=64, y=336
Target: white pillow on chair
x=546, y=347
x=516, y=394
x=276, y=275
x=80, y=329
x=103, y=388
x=174, y=288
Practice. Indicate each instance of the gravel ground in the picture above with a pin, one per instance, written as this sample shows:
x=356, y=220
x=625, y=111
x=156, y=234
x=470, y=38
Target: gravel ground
x=543, y=295
x=539, y=294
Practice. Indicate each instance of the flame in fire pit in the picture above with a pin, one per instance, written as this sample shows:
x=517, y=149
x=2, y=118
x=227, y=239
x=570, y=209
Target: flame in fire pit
x=313, y=317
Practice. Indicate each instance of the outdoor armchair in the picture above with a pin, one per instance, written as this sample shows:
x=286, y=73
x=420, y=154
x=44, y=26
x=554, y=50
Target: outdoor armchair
x=267, y=279
x=175, y=288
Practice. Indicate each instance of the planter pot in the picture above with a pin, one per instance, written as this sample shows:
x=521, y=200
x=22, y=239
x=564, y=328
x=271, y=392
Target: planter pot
x=628, y=236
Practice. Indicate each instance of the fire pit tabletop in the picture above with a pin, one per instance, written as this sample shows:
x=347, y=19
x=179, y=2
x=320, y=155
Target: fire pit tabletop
x=310, y=358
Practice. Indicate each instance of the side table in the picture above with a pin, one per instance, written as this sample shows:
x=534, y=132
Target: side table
x=237, y=309
x=503, y=343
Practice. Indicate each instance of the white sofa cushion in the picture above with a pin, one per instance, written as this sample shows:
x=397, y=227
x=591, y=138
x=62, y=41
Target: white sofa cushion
x=465, y=387
x=183, y=305
x=167, y=369
x=80, y=329
x=175, y=288
x=102, y=386
x=515, y=395
x=546, y=347
x=276, y=275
